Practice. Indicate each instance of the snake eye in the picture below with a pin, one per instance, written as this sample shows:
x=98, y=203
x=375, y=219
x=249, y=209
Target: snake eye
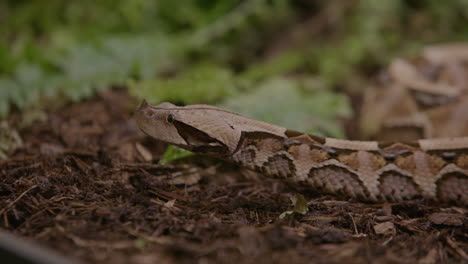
x=170, y=118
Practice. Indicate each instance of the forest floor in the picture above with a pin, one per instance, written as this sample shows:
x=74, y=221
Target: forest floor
x=86, y=184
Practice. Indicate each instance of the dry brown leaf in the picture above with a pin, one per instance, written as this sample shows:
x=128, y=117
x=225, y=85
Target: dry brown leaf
x=446, y=219
x=385, y=228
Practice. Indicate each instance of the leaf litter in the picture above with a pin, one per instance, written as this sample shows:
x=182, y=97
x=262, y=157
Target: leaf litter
x=81, y=184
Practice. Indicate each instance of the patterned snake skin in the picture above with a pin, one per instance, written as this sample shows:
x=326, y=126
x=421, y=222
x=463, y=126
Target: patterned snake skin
x=425, y=96
x=434, y=169
x=422, y=97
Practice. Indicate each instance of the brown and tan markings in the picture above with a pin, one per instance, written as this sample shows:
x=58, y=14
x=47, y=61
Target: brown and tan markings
x=435, y=169
x=421, y=97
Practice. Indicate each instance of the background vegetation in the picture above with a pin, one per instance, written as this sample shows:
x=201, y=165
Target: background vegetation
x=278, y=60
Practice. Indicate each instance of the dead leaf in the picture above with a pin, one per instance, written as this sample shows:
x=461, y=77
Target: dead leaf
x=407, y=74
x=145, y=153
x=385, y=228
x=189, y=176
x=446, y=53
x=446, y=219
x=170, y=203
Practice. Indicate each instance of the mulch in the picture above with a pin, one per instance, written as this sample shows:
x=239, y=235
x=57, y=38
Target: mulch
x=87, y=184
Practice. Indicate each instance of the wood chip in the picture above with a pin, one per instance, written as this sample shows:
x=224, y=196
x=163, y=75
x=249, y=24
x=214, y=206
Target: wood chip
x=446, y=219
x=385, y=228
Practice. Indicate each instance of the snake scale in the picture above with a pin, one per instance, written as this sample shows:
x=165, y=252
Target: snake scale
x=433, y=169
x=425, y=96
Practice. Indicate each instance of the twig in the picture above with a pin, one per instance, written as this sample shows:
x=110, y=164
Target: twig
x=16, y=200
x=354, y=224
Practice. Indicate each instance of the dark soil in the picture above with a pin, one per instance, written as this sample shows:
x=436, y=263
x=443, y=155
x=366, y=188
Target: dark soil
x=86, y=183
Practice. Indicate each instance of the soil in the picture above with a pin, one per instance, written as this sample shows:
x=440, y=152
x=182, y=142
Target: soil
x=87, y=184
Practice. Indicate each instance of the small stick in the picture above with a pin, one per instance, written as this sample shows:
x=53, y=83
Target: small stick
x=16, y=200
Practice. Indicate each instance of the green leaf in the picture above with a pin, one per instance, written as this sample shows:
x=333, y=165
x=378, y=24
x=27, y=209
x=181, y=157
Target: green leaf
x=203, y=83
x=281, y=64
x=173, y=153
x=9, y=139
x=6, y=86
x=300, y=206
x=140, y=57
x=295, y=104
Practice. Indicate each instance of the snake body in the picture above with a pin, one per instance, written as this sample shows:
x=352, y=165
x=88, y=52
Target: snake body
x=434, y=169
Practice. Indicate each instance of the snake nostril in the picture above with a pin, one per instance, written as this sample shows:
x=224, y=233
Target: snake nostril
x=149, y=112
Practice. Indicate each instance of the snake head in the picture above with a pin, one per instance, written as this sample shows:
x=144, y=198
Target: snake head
x=200, y=128
x=158, y=122
x=190, y=128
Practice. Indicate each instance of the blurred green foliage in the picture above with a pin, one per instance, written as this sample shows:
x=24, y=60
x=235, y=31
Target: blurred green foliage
x=174, y=153
x=300, y=104
x=198, y=84
x=252, y=56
